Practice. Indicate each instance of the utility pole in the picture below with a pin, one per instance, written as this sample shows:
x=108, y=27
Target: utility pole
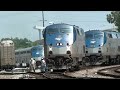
x=39, y=28
x=43, y=18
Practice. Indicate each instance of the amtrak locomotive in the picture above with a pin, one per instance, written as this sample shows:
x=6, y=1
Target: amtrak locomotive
x=23, y=56
x=37, y=53
x=64, y=46
x=102, y=47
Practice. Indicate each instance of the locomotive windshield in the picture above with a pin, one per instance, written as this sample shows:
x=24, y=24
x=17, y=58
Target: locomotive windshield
x=59, y=33
x=52, y=30
x=65, y=30
x=98, y=35
x=89, y=36
x=57, y=30
x=36, y=49
x=95, y=35
x=37, y=52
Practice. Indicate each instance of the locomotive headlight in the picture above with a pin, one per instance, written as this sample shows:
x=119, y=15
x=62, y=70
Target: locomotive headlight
x=101, y=44
x=57, y=44
x=68, y=48
x=37, y=52
x=61, y=44
x=50, y=48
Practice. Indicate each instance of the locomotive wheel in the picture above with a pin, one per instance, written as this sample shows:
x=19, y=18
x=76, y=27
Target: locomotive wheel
x=106, y=59
x=86, y=61
x=93, y=60
x=74, y=68
x=118, y=60
x=77, y=67
x=114, y=61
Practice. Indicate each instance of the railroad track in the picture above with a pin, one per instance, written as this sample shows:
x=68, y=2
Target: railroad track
x=56, y=75
x=36, y=75
x=47, y=75
x=111, y=72
x=12, y=72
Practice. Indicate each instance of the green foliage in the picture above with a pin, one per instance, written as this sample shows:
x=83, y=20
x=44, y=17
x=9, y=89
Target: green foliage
x=35, y=43
x=6, y=39
x=22, y=43
x=114, y=17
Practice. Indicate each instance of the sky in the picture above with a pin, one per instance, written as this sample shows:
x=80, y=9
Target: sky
x=20, y=23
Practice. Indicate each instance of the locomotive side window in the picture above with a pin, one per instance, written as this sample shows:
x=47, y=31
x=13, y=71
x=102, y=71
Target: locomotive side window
x=118, y=35
x=16, y=53
x=114, y=36
x=83, y=49
x=24, y=52
x=28, y=51
x=110, y=35
x=119, y=48
x=78, y=32
x=82, y=31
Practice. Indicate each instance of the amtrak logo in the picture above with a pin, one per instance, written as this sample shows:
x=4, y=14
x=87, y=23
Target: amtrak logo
x=92, y=41
x=37, y=53
x=58, y=38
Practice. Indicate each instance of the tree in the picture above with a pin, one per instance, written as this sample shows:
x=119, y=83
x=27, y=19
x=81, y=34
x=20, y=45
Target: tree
x=5, y=39
x=22, y=43
x=114, y=17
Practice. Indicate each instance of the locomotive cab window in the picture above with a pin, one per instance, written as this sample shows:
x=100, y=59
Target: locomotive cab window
x=82, y=31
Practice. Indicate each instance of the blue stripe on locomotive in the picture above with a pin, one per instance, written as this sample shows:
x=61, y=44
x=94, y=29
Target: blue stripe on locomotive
x=37, y=51
x=92, y=38
x=64, y=37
